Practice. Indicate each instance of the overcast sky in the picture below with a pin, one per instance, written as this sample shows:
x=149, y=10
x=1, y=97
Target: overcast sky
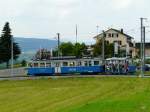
x=44, y=18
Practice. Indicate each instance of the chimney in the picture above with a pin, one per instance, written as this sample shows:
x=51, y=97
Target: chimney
x=121, y=30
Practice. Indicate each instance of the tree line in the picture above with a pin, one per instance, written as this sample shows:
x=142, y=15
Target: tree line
x=77, y=49
x=65, y=49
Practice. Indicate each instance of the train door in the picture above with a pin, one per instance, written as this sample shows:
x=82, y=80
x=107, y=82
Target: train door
x=57, y=68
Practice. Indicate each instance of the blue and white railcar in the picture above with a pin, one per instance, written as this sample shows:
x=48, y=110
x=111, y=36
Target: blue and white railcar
x=119, y=66
x=66, y=65
x=82, y=66
x=40, y=68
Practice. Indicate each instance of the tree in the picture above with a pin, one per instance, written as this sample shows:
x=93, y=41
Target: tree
x=42, y=54
x=70, y=49
x=5, y=46
x=1, y=52
x=80, y=50
x=23, y=63
x=67, y=49
x=97, y=48
x=109, y=49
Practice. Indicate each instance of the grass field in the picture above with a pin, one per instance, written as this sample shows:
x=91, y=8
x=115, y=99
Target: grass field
x=105, y=94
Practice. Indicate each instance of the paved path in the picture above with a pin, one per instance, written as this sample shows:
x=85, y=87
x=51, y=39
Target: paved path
x=16, y=72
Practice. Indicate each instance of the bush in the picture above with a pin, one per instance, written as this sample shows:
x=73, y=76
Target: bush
x=24, y=63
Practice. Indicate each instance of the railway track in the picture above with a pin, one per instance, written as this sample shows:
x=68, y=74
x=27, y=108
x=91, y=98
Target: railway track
x=59, y=77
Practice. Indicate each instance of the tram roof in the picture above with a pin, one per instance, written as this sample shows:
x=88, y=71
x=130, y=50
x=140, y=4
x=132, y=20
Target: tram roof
x=115, y=58
x=68, y=58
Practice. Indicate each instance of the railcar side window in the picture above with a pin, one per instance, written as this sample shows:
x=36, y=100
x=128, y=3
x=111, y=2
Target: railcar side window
x=90, y=63
x=96, y=63
x=79, y=64
x=86, y=63
x=42, y=64
x=48, y=64
x=35, y=64
x=30, y=64
x=72, y=64
x=65, y=63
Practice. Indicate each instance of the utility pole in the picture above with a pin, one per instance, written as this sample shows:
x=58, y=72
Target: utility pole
x=76, y=33
x=51, y=52
x=12, y=56
x=76, y=46
x=97, y=29
x=58, y=43
x=144, y=29
x=40, y=53
x=103, y=46
x=142, y=46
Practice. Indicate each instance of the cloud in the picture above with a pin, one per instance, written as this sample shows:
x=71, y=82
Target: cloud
x=125, y=4
x=47, y=17
x=10, y=8
x=120, y=4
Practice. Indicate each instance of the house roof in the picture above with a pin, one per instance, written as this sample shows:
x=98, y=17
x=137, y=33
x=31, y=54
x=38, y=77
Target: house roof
x=119, y=31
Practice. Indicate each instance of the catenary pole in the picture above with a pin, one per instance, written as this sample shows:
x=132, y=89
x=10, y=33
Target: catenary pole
x=58, y=42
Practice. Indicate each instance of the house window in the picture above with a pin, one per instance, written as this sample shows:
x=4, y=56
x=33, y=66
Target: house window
x=109, y=35
x=117, y=35
x=112, y=35
x=107, y=42
x=105, y=35
x=119, y=42
x=115, y=41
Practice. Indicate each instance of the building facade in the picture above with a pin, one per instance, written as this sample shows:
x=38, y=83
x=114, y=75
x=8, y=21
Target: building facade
x=124, y=41
x=147, y=49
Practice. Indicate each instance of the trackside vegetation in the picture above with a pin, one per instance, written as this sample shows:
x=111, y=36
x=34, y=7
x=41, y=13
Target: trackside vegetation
x=104, y=94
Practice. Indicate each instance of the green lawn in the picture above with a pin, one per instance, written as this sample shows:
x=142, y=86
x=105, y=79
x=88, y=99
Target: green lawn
x=103, y=94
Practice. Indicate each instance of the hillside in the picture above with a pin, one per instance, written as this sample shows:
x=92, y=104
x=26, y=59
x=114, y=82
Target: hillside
x=33, y=44
x=30, y=45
